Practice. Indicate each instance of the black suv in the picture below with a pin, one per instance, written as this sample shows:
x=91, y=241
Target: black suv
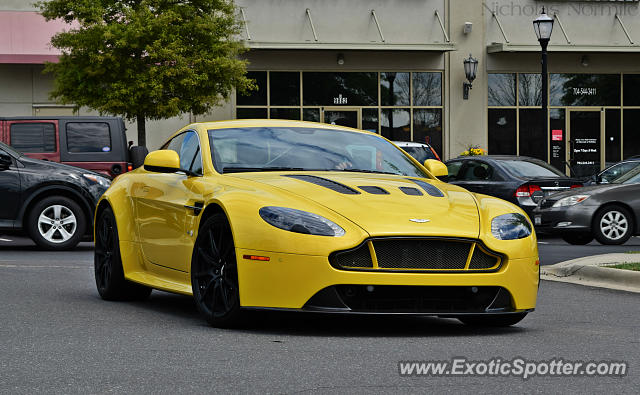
x=51, y=202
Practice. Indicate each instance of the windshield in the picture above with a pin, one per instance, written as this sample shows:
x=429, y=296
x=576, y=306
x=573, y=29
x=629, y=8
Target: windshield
x=306, y=149
x=528, y=168
x=10, y=150
x=419, y=153
x=630, y=177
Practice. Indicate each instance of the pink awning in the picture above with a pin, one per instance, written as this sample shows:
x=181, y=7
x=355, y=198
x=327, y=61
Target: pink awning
x=25, y=36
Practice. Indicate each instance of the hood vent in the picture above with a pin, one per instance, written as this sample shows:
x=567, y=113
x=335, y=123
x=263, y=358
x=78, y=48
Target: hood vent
x=374, y=190
x=411, y=191
x=428, y=188
x=324, y=182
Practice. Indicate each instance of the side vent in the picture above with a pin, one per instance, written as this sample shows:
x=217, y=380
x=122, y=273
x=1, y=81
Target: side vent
x=411, y=191
x=324, y=182
x=428, y=188
x=374, y=190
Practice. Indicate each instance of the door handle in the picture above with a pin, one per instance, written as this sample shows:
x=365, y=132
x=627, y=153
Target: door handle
x=197, y=207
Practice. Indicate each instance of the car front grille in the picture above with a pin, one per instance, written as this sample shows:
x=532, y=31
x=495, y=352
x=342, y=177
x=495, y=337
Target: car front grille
x=417, y=254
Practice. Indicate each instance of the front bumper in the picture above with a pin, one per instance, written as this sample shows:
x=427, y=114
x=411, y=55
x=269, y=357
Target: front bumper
x=290, y=281
x=558, y=220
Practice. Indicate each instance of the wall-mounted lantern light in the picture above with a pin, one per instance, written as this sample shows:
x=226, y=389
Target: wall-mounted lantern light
x=470, y=69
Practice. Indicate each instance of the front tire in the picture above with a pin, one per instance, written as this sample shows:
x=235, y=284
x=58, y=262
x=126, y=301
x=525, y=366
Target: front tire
x=613, y=225
x=214, y=273
x=109, y=273
x=56, y=223
x=578, y=239
x=493, y=320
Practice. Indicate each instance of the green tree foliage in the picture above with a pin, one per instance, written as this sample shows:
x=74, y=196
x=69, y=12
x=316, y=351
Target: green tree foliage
x=146, y=59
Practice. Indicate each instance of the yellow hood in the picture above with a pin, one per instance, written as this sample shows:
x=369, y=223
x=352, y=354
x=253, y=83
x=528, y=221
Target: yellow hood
x=454, y=214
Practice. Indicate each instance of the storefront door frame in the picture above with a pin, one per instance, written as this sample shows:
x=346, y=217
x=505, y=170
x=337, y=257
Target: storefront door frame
x=357, y=110
x=568, y=146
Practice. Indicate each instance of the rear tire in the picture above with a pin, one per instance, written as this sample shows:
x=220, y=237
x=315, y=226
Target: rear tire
x=578, y=239
x=109, y=273
x=56, y=223
x=493, y=320
x=137, y=154
x=613, y=225
x=214, y=273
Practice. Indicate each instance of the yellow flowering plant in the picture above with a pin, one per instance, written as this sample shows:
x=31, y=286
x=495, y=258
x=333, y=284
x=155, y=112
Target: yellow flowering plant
x=473, y=150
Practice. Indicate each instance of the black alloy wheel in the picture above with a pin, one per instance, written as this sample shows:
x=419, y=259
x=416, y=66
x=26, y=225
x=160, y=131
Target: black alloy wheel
x=492, y=320
x=109, y=273
x=214, y=273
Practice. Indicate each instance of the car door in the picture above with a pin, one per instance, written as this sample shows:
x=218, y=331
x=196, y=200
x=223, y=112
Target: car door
x=475, y=176
x=167, y=207
x=10, y=191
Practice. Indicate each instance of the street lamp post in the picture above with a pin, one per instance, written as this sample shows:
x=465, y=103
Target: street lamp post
x=543, y=26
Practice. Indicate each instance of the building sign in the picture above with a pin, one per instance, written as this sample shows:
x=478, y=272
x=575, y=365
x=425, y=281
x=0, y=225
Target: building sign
x=340, y=99
x=556, y=135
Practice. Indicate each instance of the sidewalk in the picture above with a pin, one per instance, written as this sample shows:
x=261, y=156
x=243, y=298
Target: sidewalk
x=592, y=271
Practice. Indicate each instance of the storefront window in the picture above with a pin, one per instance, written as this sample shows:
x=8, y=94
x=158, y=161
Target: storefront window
x=396, y=124
x=584, y=89
x=631, y=133
x=502, y=89
x=530, y=89
x=370, y=119
x=340, y=89
x=311, y=114
x=284, y=88
x=251, y=113
x=427, y=127
x=533, y=141
x=502, y=131
x=285, y=113
x=612, y=137
x=631, y=87
x=427, y=89
x=394, y=89
x=257, y=96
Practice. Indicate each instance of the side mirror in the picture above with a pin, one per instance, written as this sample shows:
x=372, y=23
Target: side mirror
x=5, y=161
x=162, y=161
x=598, y=179
x=436, y=168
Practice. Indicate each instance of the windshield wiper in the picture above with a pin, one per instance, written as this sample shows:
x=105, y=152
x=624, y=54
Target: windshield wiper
x=234, y=169
x=366, y=171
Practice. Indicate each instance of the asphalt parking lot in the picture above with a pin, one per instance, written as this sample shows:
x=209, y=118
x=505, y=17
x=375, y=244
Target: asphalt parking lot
x=60, y=337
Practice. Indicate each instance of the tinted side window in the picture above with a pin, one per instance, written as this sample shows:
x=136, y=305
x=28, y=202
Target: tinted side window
x=88, y=137
x=453, y=168
x=33, y=137
x=190, y=158
x=476, y=171
x=174, y=144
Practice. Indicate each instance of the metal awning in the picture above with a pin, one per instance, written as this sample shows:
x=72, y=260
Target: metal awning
x=510, y=47
x=386, y=46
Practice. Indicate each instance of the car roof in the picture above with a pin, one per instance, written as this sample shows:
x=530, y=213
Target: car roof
x=249, y=123
x=499, y=157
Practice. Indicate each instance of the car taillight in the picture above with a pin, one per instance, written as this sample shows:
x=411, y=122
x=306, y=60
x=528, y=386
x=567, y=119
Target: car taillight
x=526, y=190
x=577, y=186
x=129, y=167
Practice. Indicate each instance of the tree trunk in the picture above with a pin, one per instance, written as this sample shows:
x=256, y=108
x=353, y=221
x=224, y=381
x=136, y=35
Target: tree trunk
x=142, y=138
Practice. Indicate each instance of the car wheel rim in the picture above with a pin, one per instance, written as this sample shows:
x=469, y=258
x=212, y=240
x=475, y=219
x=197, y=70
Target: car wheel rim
x=105, y=250
x=614, y=225
x=215, y=272
x=57, y=224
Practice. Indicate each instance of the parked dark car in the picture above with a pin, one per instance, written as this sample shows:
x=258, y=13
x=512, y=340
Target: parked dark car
x=614, y=171
x=607, y=212
x=52, y=203
x=519, y=179
x=93, y=143
x=419, y=151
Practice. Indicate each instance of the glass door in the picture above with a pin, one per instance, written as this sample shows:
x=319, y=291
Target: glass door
x=585, y=142
x=349, y=117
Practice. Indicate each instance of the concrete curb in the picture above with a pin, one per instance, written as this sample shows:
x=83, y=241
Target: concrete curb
x=592, y=271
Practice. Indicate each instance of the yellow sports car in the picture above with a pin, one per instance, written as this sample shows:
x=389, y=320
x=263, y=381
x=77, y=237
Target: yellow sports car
x=269, y=214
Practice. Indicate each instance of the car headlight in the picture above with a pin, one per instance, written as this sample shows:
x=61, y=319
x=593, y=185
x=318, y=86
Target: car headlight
x=300, y=221
x=102, y=181
x=510, y=227
x=571, y=200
